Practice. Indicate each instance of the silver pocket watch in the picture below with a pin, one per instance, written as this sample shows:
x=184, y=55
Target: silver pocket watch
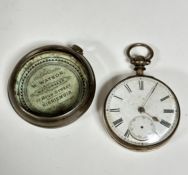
x=141, y=112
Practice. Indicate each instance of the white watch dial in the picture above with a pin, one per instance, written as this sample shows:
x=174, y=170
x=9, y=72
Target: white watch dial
x=141, y=111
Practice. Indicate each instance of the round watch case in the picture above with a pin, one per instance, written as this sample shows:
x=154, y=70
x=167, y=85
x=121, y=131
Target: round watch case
x=52, y=86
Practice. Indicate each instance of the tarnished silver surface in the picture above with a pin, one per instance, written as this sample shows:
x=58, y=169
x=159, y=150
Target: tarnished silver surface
x=52, y=85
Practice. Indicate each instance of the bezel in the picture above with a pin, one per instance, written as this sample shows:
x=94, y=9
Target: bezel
x=139, y=147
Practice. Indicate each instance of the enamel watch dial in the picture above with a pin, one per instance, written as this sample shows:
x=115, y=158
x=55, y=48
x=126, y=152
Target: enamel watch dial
x=52, y=86
x=141, y=112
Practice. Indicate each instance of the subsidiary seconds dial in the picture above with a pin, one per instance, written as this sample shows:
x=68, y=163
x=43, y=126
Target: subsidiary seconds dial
x=141, y=112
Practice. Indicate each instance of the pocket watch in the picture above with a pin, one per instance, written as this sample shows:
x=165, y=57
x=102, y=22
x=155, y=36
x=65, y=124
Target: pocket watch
x=52, y=86
x=141, y=112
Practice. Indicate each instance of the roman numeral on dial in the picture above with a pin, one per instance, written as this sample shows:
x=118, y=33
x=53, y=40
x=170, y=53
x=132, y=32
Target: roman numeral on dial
x=164, y=98
x=118, y=97
x=115, y=110
x=128, y=88
x=127, y=133
x=165, y=123
x=118, y=122
x=168, y=110
x=141, y=85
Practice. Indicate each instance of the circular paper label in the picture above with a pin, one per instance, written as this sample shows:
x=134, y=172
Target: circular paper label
x=51, y=83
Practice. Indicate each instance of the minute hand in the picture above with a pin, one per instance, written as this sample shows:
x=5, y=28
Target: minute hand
x=151, y=92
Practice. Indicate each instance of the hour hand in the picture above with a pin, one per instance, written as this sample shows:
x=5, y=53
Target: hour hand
x=154, y=118
x=161, y=121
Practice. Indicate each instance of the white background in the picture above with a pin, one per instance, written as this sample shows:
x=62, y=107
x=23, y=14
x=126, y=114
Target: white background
x=103, y=28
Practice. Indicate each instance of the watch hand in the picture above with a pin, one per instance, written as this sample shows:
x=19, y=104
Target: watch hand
x=154, y=118
x=142, y=110
x=150, y=93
